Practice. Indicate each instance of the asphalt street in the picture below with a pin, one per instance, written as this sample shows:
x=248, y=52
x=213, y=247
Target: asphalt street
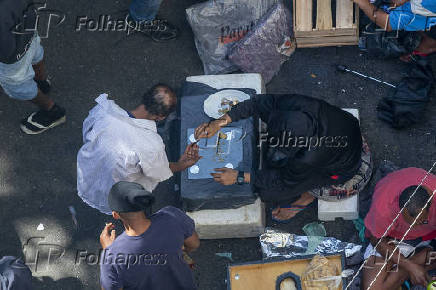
x=38, y=173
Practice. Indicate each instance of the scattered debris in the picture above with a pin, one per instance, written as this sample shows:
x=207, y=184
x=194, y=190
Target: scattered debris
x=40, y=227
x=360, y=227
x=343, y=68
x=73, y=216
x=225, y=255
x=315, y=229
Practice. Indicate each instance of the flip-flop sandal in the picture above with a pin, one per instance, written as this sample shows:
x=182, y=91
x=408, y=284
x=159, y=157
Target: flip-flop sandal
x=295, y=207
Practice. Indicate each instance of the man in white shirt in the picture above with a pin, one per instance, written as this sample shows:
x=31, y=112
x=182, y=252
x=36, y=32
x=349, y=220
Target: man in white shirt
x=124, y=146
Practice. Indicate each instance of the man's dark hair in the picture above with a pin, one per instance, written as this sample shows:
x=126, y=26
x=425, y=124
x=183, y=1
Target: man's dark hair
x=417, y=202
x=160, y=100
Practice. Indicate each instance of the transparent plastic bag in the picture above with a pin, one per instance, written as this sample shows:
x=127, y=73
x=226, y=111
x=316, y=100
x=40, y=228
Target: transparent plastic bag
x=321, y=275
x=219, y=24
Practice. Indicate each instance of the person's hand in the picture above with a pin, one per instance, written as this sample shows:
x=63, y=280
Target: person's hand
x=225, y=176
x=107, y=236
x=189, y=157
x=418, y=275
x=207, y=130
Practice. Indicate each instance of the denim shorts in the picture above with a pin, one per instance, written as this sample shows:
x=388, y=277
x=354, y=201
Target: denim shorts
x=16, y=79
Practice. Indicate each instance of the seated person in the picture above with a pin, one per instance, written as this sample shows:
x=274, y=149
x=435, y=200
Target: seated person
x=309, y=144
x=148, y=254
x=123, y=145
x=392, y=193
x=413, y=15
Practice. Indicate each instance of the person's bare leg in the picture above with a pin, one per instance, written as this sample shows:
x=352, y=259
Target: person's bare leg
x=42, y=101
x=39, y=70
x=388, y=278
x=380, y=17
x=285, y=214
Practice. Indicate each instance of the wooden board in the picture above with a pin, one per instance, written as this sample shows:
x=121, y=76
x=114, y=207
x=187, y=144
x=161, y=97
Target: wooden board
x=323, y=14
x=263, y=275
x=344, y=13
x=327, y=40
x=321, y=33
x=345, y=32
x=303, y=16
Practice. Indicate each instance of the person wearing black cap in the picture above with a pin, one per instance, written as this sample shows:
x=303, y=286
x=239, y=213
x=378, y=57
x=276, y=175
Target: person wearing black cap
x=148, y=254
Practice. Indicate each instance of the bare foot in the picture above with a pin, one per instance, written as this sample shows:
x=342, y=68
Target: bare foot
x=286, y=213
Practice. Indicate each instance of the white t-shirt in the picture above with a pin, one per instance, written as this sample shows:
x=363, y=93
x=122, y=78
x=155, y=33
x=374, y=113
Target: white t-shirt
x=118, y=148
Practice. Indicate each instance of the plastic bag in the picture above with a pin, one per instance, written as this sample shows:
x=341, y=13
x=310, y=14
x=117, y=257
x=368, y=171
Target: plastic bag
x=275, y=243
x=264, y=49
x=321, y=275
x=218, y=24
x=406, y=105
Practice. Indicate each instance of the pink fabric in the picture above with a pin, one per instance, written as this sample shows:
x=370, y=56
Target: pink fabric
x=385, y=207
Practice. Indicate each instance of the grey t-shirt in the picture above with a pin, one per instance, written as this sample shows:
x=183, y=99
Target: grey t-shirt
x=152, y=260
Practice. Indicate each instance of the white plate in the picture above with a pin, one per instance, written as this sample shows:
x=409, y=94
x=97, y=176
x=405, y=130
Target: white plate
x=212, y=104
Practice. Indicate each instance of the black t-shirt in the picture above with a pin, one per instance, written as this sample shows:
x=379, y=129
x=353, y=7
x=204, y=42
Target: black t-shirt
x=152, y=260
x=17, y=16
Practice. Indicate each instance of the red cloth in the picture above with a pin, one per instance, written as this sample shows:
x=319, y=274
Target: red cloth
x=385, y=206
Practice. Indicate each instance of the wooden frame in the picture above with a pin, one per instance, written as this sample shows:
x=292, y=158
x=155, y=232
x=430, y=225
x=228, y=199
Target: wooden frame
x=322, y=32
x=338, y=257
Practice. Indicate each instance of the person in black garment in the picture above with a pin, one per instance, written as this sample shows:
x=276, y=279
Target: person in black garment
x=309, y=144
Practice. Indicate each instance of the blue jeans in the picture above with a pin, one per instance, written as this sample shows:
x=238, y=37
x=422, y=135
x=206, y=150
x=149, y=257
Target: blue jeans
x=144, y=10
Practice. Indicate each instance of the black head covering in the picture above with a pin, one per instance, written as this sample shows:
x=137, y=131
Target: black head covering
x=129, y=197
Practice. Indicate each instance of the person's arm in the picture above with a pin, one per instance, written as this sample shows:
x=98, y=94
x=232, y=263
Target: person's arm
x=243, y=110
x=418, y=273
x=109, y=278
x=192, y=243
x=189, y=158
x=377, y=16
x=227, y=176
x=259, y=105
